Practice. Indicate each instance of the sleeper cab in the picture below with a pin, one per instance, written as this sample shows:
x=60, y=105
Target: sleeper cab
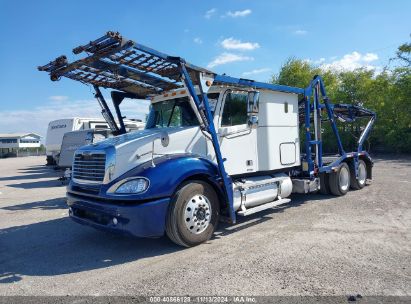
x=278, y=141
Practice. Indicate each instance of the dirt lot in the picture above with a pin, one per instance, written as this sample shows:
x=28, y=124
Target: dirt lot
x=317, y=245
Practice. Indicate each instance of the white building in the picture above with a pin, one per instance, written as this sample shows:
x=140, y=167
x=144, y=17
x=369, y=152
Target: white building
x=11, y=143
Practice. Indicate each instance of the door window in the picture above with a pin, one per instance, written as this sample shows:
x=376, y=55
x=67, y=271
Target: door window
x=235, y=109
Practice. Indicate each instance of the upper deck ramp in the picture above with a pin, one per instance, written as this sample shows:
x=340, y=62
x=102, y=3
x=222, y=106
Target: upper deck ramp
x=115, y=62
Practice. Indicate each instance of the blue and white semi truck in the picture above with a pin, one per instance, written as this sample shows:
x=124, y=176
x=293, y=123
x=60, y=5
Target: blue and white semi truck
x=214, y=147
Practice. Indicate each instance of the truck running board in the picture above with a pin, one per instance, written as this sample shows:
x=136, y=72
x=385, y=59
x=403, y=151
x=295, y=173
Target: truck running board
x=263, y=207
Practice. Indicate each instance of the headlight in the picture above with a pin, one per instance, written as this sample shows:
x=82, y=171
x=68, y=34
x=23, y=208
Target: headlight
x=131, y=186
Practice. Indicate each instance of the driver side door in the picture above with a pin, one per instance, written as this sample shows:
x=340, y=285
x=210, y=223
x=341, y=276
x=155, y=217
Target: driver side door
x=238, y=140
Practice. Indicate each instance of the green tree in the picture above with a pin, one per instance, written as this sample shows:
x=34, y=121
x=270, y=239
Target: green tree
x=404, y=54
x=295, y=72
x=388, y=93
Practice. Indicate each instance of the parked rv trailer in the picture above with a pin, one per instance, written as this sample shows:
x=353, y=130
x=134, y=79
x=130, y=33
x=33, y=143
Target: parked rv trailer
x=58, y=128
x=74, y=140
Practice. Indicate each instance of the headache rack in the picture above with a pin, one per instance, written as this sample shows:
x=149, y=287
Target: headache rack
x=133, y=70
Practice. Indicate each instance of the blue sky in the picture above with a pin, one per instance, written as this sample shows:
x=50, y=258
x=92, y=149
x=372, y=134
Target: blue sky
x=249, y=39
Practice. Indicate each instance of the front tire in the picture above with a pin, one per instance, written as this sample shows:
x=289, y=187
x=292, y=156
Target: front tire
x=340, y=180
x=193, y=214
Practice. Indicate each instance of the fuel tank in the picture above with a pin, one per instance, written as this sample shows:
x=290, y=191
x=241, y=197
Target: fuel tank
x=253, y=191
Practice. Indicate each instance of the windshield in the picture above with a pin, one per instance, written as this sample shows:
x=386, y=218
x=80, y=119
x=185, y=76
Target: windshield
x=176, y=112
x=171, y=113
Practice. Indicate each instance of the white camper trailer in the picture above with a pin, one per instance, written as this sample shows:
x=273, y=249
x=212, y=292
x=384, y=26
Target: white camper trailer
x=57, y=129
x=76, y=139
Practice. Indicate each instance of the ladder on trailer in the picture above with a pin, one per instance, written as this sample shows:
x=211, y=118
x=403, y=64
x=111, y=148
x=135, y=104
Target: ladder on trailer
x=312, y=108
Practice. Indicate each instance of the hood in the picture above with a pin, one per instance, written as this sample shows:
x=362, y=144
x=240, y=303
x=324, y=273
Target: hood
x=135, y=148
x=126, y=139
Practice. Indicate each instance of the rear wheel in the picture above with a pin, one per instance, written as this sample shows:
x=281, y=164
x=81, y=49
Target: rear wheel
x=193, y=214
x=358, y=183
x=340, y=180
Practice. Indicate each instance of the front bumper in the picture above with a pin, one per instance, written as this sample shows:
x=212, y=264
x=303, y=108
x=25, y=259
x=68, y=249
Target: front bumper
x=141, y=220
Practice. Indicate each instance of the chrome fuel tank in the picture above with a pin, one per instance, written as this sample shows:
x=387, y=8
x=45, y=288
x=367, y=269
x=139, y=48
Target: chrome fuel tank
x=253, y=191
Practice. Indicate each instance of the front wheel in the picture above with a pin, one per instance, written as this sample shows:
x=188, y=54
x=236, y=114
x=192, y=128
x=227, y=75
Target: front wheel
x=193, y=214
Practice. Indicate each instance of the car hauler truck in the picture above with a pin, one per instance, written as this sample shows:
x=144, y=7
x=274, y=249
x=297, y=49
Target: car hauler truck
x=214, y=146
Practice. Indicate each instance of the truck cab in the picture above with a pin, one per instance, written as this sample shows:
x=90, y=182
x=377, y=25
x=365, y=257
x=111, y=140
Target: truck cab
x=147, y=168
x=266, y=142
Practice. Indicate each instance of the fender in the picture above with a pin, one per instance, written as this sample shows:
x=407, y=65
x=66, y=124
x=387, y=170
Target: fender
x=165, y=176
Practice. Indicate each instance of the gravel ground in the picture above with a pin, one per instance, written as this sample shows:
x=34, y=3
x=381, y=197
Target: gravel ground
x=316, y=245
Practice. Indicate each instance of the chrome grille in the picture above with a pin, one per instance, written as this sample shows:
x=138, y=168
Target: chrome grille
x=89, y=167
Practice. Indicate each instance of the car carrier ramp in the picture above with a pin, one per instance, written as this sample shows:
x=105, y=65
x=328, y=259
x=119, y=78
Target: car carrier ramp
x=115, y=62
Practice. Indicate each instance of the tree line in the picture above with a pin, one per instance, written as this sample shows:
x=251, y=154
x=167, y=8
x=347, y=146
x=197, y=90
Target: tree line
x=387, y=92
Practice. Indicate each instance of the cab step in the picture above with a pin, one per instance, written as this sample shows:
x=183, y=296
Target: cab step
x=263, y=207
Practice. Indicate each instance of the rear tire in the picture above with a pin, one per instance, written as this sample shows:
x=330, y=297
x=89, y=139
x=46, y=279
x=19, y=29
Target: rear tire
x=358, y=183
x=340, y=180
x=193, y=214
x=324, y=183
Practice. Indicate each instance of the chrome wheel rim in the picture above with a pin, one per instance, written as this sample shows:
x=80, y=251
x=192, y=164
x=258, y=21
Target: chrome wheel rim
x=344, y=178
x=362, y=173
x=197, y=214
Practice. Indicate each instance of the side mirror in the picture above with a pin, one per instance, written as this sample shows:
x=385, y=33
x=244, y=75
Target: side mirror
x=253, y=99
x=252, y=108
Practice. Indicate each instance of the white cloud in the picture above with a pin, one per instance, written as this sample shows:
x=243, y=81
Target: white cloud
x=370, y=57
x=198, y=40
x=225, y=58
x=316, y=62
x=300, y=32
x=352, y=61
x=234, y=44
x=37, y=119
x=236, y=14
x=257, y=71
x=210, y=13
x=58, y=98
